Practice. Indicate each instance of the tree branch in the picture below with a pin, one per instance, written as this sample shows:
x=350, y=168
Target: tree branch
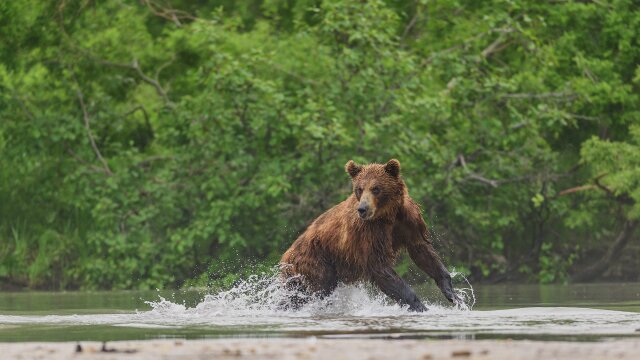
x=135, y=66
x=170, y=14
x=94, y=168
x=87, y=126
x=495, y=47
x=436, y=54
x=622, y=198
x=410, y=26
x=465, y=42
x=573, y=190
x=561, y=94
x=461, y=161
x=154, y=82
x=475, y=176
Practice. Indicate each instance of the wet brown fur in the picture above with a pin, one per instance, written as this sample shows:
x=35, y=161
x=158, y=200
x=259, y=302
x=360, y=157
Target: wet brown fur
x=340, y=246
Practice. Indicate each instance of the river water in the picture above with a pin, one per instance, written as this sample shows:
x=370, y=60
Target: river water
x=539, y=312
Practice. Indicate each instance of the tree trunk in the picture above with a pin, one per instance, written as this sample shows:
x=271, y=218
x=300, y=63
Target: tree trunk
x=612, y=253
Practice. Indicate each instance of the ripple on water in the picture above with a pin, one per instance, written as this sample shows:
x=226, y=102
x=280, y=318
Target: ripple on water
x=251, y=306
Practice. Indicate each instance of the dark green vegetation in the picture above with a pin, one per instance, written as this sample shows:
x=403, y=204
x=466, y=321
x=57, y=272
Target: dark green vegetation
x=147, y=143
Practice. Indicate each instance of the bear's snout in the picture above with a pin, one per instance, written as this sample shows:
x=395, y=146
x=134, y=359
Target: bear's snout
x=365, y=211
x=362, y=211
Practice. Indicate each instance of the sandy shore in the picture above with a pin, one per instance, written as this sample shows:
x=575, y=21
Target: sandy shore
x=311, y=348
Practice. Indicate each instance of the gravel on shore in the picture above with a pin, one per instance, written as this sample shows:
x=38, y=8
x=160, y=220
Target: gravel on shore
x=333, y=349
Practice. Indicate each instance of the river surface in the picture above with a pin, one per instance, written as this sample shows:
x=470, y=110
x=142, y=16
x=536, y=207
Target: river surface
x=589, y=312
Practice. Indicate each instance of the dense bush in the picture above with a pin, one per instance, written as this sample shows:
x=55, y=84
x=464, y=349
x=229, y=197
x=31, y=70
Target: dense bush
x=148, y=144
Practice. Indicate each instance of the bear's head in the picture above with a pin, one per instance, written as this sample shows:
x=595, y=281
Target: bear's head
x=378, y=188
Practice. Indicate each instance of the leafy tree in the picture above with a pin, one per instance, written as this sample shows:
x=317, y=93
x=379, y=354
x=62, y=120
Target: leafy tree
x=148, y=144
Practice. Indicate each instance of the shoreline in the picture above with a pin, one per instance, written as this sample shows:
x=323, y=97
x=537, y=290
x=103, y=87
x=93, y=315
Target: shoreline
x=314, y=348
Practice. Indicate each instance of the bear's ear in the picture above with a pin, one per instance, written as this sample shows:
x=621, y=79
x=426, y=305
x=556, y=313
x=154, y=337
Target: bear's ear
x=392, y=167
x=352, y=168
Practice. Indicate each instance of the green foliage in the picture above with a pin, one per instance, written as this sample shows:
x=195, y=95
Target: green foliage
x=617, y=163
x=150, y=144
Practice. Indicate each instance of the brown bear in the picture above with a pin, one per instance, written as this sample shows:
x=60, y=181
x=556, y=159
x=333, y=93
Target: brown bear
x=360, y=239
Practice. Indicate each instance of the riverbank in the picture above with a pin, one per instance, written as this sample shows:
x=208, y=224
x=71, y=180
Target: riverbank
x=334, y=349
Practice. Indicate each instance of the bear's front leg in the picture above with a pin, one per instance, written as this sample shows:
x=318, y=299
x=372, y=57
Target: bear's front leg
x=410, y=231
x=423, y=254
x=396, y=288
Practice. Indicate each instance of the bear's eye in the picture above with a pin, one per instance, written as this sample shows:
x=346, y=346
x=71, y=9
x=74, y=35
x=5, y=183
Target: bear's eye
x=375, y=190
x=358, y=191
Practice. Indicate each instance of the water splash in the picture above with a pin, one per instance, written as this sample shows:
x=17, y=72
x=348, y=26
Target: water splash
x=466, y=294
x=263, y=295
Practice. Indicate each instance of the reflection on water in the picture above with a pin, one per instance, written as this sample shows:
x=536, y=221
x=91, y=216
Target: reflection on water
x=574, y=312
